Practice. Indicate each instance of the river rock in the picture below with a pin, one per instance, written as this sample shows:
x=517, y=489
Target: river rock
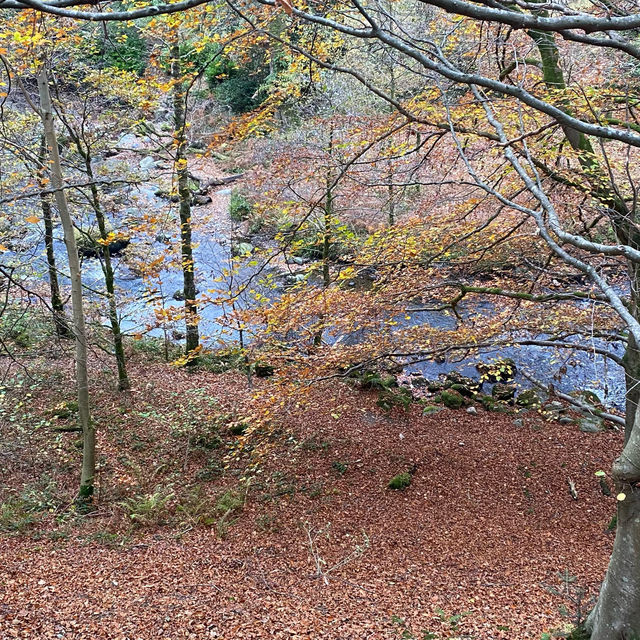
x=147, y=164
x=504, y=392
x=500, y=370
x=464, y=385
x=199, y=200
x=129, y=141
x=242, y=249
x=529, y=398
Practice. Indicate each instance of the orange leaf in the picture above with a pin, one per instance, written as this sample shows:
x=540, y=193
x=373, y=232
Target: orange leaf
x=32, y=219
x=286, y=5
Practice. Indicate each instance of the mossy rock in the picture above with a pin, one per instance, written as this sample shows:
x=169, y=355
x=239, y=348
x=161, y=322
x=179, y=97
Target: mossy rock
x=529, y=399
x=451, y=399
x=390, y=397
x=463, y=384
x=89, y=245
x=504, y=392
x=590, y=397
x=431, y=410
x=400, y=482
x=591, y=424
x=463, y=390
x=242, y=249
x=263, y=369
x=493, y=404
x=499, y=370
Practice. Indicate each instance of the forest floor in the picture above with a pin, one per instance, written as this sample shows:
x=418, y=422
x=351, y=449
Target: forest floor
x=314, y=545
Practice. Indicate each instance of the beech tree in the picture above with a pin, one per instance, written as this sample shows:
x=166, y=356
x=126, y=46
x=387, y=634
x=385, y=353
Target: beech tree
x=79, y=330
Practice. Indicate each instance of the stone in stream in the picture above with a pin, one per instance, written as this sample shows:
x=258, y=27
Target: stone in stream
x=464, y=385
x=500, y=370
x=147, y=164
x=504, y=392
x=242, y=249
x=529, y=398
x=199, y=200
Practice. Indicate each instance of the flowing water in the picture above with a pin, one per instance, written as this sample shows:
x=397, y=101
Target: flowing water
x=212, y=255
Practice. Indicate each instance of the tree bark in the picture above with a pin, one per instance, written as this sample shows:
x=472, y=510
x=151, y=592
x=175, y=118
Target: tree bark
x=184, y=194
x=107, y=268
x=87, y=475
x=616, y=615
x=59, y=318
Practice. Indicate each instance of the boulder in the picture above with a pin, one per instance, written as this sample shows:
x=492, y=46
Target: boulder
x=500, y=370
x=528, y=399
x=199, y=200
x=493, y=404
x=430, y=410
x=592, y=424
x=242, y=249
x=463, y=384
x=147, y=164
x=504, y=392
x=451, y=399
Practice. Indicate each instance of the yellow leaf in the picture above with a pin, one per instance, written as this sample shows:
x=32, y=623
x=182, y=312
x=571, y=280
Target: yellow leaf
x=3, y=248
x=32, y=219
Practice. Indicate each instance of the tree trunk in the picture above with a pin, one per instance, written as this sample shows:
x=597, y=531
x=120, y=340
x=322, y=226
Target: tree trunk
x=184, y=195
x=326, y=235
x=616, y=615
x=59, y=318
x=632, y=382
x=82, y=379
x=617, y=612
x=118, y=345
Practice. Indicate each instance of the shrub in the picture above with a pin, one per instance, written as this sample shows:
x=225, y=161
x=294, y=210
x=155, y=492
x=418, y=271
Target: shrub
x=125, y=49
x=26, y=508
x=150, y=509
x=25, y=327
x=400, y=482
x=451, y=399
x=240, y=206
x=340, y=467
x=222, y=360
x=230, y=502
